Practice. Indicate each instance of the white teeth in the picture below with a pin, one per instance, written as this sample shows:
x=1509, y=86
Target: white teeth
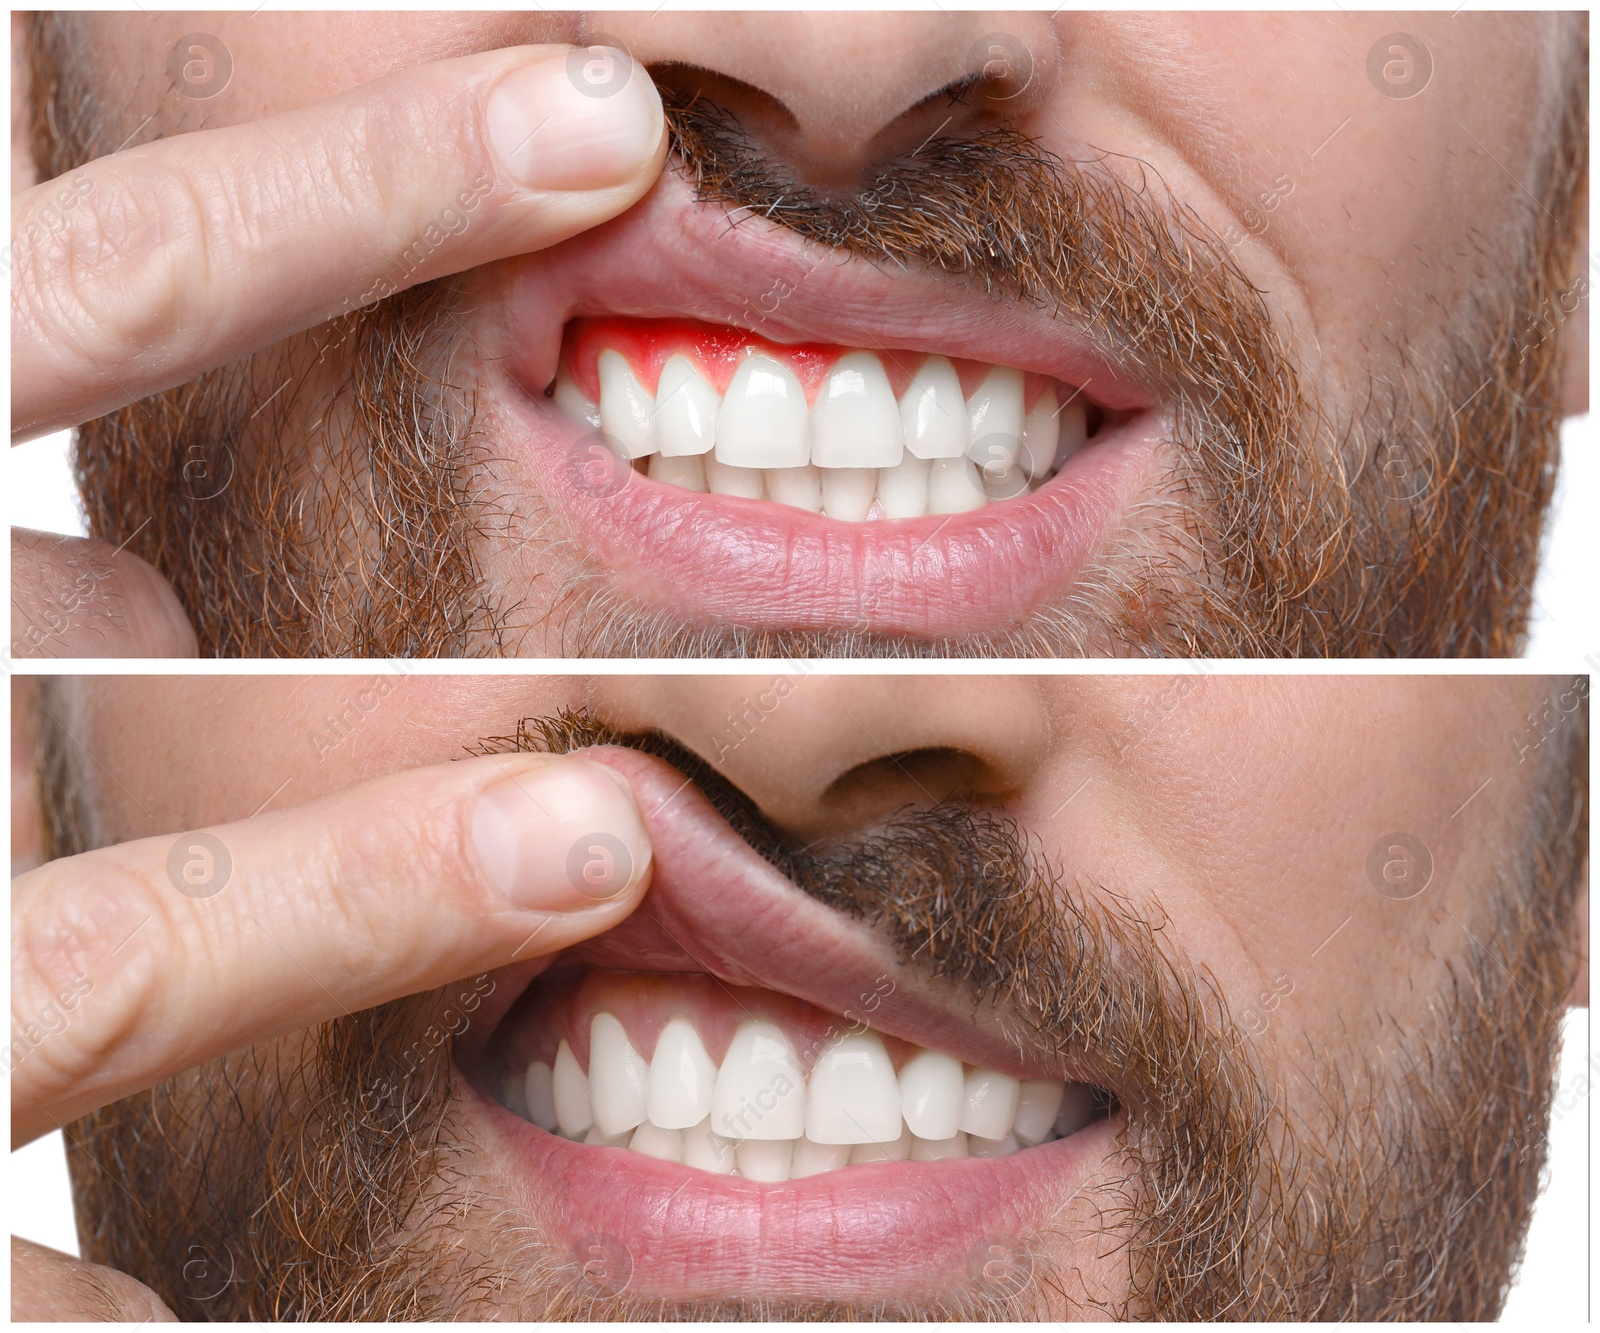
x=595, y=1139
x=932, y=1095
x=955, y=486
x=847, y=492
x=853, y=1097
x=760, y=1091
x=1038, y=1101
x=1077, y=1110
x=939, y=1150
x=686, y=409
x=897, y=1149
x=539, y=1094
x=994, y=415
x=978, y=1146
x=1041, y=432
x=575, y=403
x=627, y=408
x=726, y=479
x=855, y=422
x=903, y=489
x=617, y=1077
x=682, y=1076
x=991, y=1103
x=812, y=1158
x=797, y=486
x=570, y=1089
x=707, y=1151
x=764, y=1159
x=933, y=414
x=688, y=474
x=764, y=421
x=653, y=1141
x=1073, y=421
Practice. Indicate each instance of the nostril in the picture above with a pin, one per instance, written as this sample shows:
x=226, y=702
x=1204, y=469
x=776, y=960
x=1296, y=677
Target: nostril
x=879, y=787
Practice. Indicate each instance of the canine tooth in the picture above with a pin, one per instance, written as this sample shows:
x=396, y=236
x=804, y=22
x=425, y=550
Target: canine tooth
x=765, y=1159
x=853, y=1096
x=1038, y=1101
x=1077, y=1109
x=994, y=417
x=1041, y=432
x=654, y=1141
x=687, y=474
x=686, y=409
x=682, y=1075
x=595, y=1139
x=978, y=1146
x=812, y=1158
x=707, y=1151
x=574, y=402
x=569, y=1087
x=939, y=1150
x=760, y=1091
x=617, y=1077
x=726, y=479
x=627, y=408
x=847, y=492
x=897, y=1149
x=539, y=1093
x=855, y=422
x=797, y=486
x=933, y=414
x=903, y=488
x=991, y=1102
x=764, y=421
x=932, y=1094
x=955, y=486
x=1074, y=425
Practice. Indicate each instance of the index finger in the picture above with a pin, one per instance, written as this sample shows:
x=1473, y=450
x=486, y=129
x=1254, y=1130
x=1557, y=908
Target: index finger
x=133, y=963
x=177, y=256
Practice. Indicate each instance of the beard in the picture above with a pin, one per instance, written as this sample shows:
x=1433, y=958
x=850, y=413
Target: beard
x=1405, y=522
x=1386, y=1176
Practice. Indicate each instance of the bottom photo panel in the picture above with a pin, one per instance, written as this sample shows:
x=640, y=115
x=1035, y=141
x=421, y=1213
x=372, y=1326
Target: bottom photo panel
x=799, y=995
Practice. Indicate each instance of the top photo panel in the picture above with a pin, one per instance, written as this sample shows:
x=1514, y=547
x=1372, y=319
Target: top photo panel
x=794, y=334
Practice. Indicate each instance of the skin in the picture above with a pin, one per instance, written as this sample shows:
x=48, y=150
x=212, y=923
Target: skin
x=1240, y=809
x=1360, y=217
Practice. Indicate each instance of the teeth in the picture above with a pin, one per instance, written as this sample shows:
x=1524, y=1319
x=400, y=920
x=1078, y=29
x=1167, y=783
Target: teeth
x=726, y=479
x=767, y=1160
x=570, y=1089
x=903, y=489
x=812, y=1158
x=707, y=1151
x=932, y=1095
x=627, y=408
x=688, y=474
x=539, y=1096
x=682, y=1076
x=955, y=486
x=847, y=492
x=853, y=1097
x=653, y=1141
x=760, y=1091
x=575, y=403
x=896, y=1149
x=855, y=423
x=933, y=414
x=1041, y=432
x=764, y=421
x=1038, y=1101
x=617, y=1077
x=939, y=1150
x=686, y=410
x=1077, y=1110
x=797, y=486
x=595, y=1139
x=994, y=417
x=978, y=1146
x=991, y=1103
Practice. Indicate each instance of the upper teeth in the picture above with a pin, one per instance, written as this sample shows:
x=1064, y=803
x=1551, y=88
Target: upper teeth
x=936, y=451
x=758, y=1114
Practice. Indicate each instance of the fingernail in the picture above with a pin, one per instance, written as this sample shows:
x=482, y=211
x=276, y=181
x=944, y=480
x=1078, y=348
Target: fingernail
x=586, y=120
x=560, y=836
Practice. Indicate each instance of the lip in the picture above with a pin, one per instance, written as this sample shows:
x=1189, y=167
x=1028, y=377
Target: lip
x=875, y=1232
x=722, y=560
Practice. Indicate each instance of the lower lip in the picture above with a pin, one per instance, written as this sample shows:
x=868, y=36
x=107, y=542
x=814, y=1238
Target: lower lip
x=723, y=560
x=898, y=1230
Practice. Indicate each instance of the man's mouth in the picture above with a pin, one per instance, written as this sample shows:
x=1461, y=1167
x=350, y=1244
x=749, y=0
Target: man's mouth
x=850, y=433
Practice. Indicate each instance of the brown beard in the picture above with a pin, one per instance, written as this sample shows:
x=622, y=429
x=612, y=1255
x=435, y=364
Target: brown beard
x=1410, y=527
x=325, y=1178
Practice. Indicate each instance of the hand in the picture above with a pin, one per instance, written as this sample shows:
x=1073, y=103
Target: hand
x=136, y=962
x=143, y=269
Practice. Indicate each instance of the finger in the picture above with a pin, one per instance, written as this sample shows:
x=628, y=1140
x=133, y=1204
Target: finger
x=73, y=597
x=143, y=269
x=48, y=1286
x=135, y=962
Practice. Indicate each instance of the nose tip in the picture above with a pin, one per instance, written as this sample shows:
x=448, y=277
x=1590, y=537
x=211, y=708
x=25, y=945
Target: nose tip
x=831, y=94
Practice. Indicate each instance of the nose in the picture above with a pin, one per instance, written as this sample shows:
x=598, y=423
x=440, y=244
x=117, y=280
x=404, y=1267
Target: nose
x=829, y=95
x=824, y=755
